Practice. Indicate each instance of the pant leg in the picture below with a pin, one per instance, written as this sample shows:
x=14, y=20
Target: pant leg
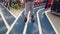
x=29, y=7
x=32, y=8
x=26, y=9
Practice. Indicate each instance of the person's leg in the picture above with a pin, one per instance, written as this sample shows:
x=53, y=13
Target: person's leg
x=32, y=10
x=26, y=10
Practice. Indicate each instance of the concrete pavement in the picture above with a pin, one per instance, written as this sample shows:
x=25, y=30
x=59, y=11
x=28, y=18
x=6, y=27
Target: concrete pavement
x=54, y=20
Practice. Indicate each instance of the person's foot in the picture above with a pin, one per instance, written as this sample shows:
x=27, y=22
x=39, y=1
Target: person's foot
x=25, y=19
x=32, y=18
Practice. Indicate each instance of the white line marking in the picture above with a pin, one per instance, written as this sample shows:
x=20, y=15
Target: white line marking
x=8, y=10
x=51, y=22
x=14, y=23
x=26, y=24
x=4, y=20
x=9, y=29
x=25, y=28
x=39, y=7
x=38, y=19
x=12, y=13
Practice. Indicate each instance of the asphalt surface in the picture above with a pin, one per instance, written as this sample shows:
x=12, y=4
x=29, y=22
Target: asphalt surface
x=32, y=26
x=18, y=28
x=45, y=24
x=10, y=18
x=3, y=28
